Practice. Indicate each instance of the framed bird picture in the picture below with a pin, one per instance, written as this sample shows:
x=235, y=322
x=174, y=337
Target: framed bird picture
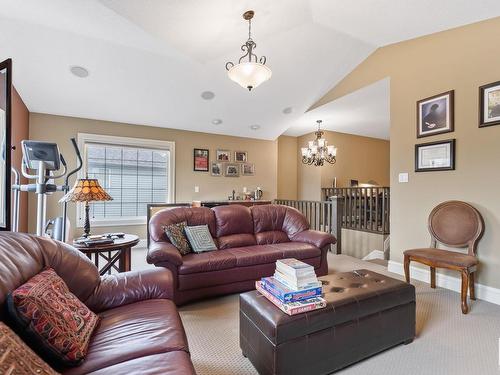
x=435, y=115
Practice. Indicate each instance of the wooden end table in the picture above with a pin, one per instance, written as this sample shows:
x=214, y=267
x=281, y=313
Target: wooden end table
x=117, y=255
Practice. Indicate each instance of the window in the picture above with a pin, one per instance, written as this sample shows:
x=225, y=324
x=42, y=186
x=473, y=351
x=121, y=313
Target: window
x=133, y=171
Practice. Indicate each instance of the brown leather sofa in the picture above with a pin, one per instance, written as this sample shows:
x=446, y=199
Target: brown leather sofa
x=249, y=242
x=140, y=331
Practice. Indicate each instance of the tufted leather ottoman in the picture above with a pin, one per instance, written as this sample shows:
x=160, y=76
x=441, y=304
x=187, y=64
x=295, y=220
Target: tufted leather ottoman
x=366, y=313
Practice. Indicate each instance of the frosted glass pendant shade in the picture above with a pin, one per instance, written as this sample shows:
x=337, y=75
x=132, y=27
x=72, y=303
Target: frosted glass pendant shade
x=249, y=74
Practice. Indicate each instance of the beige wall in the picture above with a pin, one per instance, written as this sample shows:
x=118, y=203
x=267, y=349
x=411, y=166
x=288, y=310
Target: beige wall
x=263, y=153
x=287, y=167
x=462, y=60
x=359, y=244
x=358, y=158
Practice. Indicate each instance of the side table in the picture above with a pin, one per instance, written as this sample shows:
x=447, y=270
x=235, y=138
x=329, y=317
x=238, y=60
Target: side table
x=116, y=255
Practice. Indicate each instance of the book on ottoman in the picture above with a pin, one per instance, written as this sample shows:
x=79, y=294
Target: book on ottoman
x=292, y=308
x=286, y=294
x=296, y=274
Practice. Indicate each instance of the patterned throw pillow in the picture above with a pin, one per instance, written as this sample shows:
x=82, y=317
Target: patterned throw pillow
x=175, y=233
x=200, y=238
x=17, y=358
x=51, y=318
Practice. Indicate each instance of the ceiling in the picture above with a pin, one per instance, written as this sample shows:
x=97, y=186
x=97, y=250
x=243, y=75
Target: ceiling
x=150, y=60
x=364, y=112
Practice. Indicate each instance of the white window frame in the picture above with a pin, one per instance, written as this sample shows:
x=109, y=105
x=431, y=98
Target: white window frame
x=84, y=138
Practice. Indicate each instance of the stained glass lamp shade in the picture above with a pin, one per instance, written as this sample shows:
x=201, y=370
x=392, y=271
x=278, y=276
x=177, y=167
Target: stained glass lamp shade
x=86, y=190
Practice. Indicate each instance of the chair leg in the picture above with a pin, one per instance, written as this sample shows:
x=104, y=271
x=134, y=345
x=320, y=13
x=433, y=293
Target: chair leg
x=465, y=284
x=433, y=277
x=472, y=292
x=407, y=268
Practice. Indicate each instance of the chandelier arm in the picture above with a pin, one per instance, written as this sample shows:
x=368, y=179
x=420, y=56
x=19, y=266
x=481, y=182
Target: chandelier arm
x=229, y=65
x=248, y=47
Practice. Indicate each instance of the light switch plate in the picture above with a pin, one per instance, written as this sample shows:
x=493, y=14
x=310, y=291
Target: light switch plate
x=196, y=189
x=403, y=177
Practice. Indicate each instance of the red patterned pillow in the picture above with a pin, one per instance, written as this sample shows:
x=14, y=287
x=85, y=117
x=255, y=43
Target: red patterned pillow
x=17, y=358
x=51, y=317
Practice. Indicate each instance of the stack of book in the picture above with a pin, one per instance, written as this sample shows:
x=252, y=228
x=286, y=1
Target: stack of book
x=294, y=287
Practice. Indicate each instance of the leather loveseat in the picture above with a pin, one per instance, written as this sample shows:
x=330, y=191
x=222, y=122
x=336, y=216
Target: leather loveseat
x=140, y=331
x=249, y=241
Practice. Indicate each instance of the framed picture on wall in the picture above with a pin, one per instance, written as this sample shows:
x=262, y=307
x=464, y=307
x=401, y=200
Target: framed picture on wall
x=489, y=104
x=216, y=168
x=435, y=115
x=223, y=155
x=240, y=156
x=200, y=160
x=247, y=169
x=435, y=156
x=231, y=170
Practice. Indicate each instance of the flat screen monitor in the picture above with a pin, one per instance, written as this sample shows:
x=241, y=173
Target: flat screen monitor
x=36, y=151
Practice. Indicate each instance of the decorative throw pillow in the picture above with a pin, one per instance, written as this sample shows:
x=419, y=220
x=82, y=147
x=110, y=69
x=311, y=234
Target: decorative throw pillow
x=200, y=238
x=17, y=358
x=175, y=233
x=50, y=317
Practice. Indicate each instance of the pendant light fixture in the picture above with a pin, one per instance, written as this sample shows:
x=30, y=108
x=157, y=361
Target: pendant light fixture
x=252, y=72
x=318, y=150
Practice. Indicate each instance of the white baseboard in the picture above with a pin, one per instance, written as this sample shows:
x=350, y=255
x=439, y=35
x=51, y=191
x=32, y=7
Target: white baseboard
x=483, y=292
x=375, y=254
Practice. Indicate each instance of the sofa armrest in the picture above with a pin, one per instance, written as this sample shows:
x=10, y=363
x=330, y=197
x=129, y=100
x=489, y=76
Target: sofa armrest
x=163, y=252
x=314, y=237
x=129, y=287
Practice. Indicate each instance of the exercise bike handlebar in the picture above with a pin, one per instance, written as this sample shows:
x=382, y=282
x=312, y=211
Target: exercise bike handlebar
x=66, y=187
x=80, y=161
x=25, y=173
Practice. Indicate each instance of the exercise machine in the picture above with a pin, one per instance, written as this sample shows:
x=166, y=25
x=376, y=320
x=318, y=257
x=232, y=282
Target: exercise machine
x=42, y=162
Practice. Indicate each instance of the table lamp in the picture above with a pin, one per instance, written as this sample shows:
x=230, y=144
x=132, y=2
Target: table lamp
x=86, y=190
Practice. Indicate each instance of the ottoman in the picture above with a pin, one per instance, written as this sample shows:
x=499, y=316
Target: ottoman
x=366, y=313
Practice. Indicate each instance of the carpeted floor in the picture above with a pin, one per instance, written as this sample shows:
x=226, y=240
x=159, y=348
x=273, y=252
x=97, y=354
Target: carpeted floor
x=447, y=342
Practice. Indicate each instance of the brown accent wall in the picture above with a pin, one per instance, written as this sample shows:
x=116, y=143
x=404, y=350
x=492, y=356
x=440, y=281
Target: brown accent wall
x=461, y=59
x=264, y=154
x=20, y=131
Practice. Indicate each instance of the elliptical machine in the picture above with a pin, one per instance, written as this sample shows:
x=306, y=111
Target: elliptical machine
x=46, y=160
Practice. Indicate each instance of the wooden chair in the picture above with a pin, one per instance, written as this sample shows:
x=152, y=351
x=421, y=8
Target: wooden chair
x=454, y=224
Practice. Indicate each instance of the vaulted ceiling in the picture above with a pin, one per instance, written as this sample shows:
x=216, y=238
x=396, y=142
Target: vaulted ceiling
x=150, y=60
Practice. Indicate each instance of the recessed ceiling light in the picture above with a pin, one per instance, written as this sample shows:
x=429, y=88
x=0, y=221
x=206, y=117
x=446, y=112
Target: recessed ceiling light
x=79, y=71
x=207, y=95
x=255, y=127
x=288, y=110
x=216, y=121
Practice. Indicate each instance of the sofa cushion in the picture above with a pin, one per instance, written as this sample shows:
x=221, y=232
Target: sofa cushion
x=270, y=237
x=298, y=250
x=134, y=331
x=233, y=219
x=48, y=315
x=268, y=217
x=176, y=236
x=200, y=239
x=171, y=363
x=236, y=240
x=17, y=358
x=253, y=255
x=275, y=217
x=207, y=261
x=191, y=215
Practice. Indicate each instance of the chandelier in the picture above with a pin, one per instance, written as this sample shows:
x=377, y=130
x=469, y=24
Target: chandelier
x=249, y=74
x=318, y=150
